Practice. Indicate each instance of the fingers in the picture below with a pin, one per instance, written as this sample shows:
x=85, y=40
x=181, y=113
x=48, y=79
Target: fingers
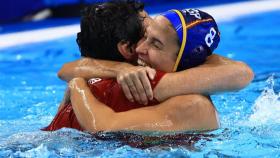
x=136, y=84
x=147, y=86
x=132, y=88
x=125, y=88
x=130, y=81
x=151, y=72
x=140, y=89
x=146, y=82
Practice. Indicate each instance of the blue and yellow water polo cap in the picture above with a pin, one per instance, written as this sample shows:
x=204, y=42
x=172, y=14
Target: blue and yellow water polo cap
x=198, y=36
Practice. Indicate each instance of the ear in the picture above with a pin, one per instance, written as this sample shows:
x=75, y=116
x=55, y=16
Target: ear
x=128, y=52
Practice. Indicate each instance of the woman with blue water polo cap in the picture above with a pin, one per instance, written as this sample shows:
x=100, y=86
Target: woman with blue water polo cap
x=198, y=36
x=188, y=35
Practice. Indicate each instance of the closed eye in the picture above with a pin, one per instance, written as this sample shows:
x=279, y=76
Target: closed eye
x=157, y=43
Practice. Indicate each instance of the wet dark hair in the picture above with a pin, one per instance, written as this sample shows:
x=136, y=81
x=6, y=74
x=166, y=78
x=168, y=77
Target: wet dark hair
x=104, y=25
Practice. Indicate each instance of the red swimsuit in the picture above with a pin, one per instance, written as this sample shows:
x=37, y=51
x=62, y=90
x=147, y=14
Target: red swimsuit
x=107, y=91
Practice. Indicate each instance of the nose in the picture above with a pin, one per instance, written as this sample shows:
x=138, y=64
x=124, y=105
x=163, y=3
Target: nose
x=142, y=47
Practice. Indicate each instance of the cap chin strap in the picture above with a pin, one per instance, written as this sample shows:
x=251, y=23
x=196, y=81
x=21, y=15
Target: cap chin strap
x=184, y=40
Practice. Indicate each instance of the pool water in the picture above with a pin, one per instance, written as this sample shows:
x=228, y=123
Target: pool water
x=250, y=119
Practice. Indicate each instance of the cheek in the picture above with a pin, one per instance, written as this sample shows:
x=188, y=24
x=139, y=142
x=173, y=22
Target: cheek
x=161, y=61
x=154, y=59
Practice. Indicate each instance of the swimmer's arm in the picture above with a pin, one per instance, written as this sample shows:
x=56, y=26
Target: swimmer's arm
x=171, y=115
x=134, y=80
x=94, y=116
x=217, y=74
x=88, y=68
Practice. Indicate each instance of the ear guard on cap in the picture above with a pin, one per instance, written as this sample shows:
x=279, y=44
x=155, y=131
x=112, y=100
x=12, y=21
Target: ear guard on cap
x=198, y=36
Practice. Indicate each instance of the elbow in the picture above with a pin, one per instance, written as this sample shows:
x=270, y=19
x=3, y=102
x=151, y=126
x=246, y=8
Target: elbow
x=62, y=73
x=250, y=74
x=246, y=75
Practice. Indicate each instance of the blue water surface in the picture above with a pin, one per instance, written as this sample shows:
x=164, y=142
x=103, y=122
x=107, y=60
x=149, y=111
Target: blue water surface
x=250, y=119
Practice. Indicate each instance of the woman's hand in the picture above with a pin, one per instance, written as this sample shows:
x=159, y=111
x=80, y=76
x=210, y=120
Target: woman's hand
x=135, y=82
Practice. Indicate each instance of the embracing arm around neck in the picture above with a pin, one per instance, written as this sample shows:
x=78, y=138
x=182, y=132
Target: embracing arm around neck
x=88, y=68
x=217, y=74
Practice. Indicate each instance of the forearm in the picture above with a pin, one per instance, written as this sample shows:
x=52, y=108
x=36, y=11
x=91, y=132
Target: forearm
x=180, y=113
x=91, y=114
x=88, y=68
x=206, y=79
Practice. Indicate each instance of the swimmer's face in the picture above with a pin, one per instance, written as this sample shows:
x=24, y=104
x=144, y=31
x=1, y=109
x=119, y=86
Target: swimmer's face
x=159, y=47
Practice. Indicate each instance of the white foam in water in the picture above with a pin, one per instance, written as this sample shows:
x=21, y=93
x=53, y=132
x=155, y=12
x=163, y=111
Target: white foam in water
x=267, y=106
x=40, y=151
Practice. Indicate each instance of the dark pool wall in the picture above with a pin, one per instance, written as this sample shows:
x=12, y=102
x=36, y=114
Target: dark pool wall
x=15, y=10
